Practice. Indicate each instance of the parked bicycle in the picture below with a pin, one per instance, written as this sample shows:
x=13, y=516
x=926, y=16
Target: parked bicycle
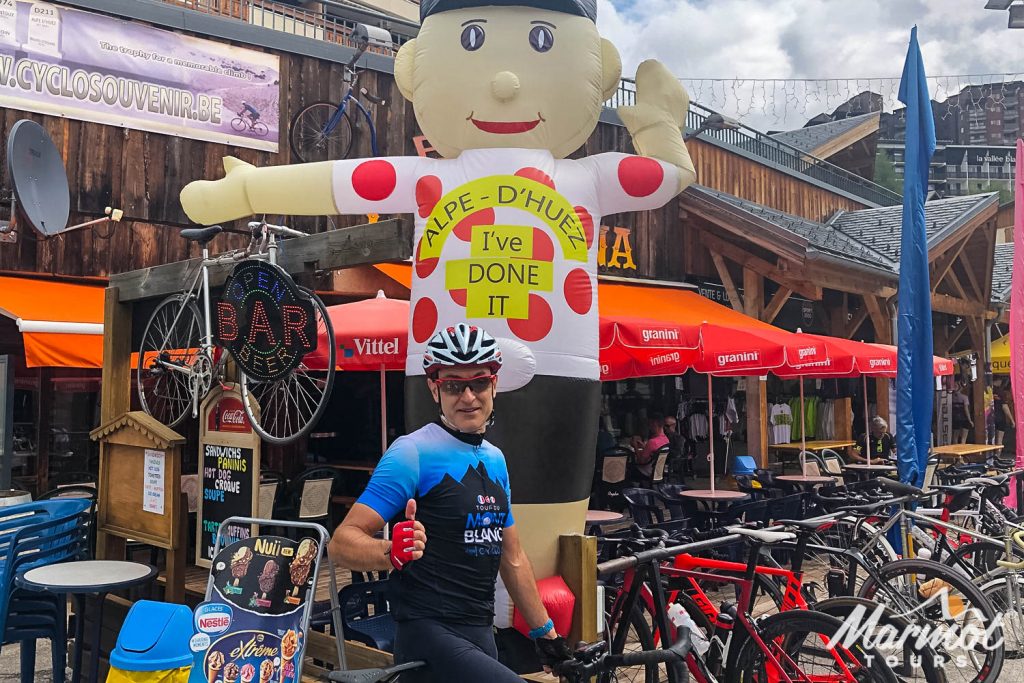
x=179, y=360
x=323, y=131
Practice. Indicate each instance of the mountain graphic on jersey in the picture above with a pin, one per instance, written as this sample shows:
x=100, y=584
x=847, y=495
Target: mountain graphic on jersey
x=486, y=509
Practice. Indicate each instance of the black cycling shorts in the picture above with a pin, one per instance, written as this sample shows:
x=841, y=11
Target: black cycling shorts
x=453, y=652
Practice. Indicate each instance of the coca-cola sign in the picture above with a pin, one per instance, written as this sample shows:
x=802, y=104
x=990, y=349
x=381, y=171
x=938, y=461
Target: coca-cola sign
x=229, y=416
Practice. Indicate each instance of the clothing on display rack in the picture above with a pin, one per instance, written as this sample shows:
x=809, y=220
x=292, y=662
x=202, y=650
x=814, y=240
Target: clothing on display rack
x=780, y=418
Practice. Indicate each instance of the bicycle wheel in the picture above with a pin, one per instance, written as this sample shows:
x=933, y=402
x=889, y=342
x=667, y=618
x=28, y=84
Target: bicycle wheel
x=171, y=368
x=238, y=124
x=286, y=409
x=638, y=638
x=309, y=138
x=1006, y=594
x=260, y=128
x=912, y=662
x=948, y=607
x=843, y=534
x=799, y=640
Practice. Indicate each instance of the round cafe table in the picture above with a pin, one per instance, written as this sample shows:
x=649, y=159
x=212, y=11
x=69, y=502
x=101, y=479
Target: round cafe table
x=716, y=496
x=10, y=497
x=863, y=471
x=595, y=518
x=79, y=579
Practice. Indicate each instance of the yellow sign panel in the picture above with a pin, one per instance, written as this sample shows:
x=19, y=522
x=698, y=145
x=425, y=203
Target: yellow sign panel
x=505, y=191
x=499, y=287
x=513, y=241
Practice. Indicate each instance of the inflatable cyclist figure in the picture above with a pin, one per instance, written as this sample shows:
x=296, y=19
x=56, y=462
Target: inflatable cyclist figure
x=507, y=226
x=447, y=491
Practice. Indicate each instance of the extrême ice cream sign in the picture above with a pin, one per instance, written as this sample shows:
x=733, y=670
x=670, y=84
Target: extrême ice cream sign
x=90, y=67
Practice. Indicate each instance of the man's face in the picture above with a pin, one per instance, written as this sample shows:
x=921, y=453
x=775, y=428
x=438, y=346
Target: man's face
x=467, y=410
x=877, y=431
x=489, y=77
x=670, y=426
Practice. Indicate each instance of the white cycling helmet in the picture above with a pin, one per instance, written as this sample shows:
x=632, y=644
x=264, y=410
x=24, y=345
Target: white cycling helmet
x=461, y=345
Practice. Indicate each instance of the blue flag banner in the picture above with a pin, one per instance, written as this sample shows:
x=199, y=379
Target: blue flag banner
x=914, y=379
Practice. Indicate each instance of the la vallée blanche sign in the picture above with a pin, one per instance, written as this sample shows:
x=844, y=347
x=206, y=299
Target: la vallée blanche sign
x=265, y=321
x=621, y=256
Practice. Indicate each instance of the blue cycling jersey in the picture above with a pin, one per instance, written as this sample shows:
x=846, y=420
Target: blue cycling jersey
x=463, y=500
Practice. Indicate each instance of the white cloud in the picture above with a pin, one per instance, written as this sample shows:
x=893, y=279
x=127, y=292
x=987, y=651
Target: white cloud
x=807, y=39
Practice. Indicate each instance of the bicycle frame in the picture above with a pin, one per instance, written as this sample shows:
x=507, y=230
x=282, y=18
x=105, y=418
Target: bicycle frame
x=638, y=582
x=335, y=119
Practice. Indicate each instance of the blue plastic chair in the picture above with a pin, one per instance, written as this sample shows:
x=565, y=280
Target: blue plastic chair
x=34, y=535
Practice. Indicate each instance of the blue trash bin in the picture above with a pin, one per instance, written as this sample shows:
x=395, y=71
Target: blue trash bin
x=743, y=464
x=154, y=637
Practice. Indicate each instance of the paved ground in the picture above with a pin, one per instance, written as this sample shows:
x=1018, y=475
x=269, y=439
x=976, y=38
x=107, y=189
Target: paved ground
x=10, y=663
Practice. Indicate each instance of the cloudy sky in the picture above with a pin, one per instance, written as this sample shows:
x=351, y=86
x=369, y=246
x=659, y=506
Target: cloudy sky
x=840, y=40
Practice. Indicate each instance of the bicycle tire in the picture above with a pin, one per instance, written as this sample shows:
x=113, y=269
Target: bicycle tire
x=1013, y=635
x=238, y=124
x=784, y=630
x=260, y=128
x=174, y=333
x=843, y=607
x=886, y=584
x=264, y=401
x=308, y=140
x=981, y=557
x=649, y=673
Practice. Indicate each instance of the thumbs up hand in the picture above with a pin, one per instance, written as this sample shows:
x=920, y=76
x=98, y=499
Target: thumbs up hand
x=408, y=539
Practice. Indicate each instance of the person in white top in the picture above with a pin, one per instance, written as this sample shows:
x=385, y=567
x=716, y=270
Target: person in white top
x=506, y=227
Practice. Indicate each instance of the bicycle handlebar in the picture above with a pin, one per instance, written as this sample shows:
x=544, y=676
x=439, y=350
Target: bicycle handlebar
x=590, y=660
x=276, y=229
x=1018, y=538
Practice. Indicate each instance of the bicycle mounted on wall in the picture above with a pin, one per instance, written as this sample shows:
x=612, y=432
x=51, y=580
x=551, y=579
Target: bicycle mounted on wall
x=271, y=327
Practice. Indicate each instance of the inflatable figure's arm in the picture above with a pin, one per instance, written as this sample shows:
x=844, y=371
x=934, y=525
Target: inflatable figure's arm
x=656, y=120
x=350, y=186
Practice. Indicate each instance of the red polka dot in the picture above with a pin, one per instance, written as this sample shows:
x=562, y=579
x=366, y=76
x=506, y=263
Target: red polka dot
x=536, y=174
x=640, y=176
x=464, y=230
x=588, y=224
x=458, y=296
x=428, y=194
x=424, y=320
x=543, y=248
x=424, y=267
x=579, y=293
x=374, y=180
x=537, y=325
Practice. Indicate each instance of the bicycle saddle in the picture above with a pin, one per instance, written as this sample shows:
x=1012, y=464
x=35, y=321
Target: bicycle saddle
x=764, y=536
x=371, y=675
x=802, y=524
x=201, y=235
x=987, y=481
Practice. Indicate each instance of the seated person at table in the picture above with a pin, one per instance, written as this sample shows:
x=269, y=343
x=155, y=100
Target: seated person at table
x=880, y=443
x=645, y=450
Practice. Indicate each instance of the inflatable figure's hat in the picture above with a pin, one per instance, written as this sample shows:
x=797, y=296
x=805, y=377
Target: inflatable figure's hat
x=581, y=8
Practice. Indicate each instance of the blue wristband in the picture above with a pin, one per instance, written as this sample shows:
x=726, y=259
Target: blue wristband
x=542, y=631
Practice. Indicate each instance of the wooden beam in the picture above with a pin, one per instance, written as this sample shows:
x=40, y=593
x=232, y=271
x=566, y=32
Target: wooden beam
x=972, y=280
x=855, y=322
x=950, y=338
x=977, y=328
x=944, y=303
x=776, y=304
x=726, y=277
x=757, y=391
x=389, y=240
x=944, y=262
x=854, y=282
x=879, y=319
x=760, y=266
x=577, y=565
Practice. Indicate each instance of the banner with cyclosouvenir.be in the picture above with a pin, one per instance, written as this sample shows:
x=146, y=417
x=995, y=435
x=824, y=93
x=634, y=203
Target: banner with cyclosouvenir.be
x=253, y=629
x=76, y=64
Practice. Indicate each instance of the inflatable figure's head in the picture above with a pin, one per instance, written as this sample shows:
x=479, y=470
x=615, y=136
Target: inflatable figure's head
x=530, y=74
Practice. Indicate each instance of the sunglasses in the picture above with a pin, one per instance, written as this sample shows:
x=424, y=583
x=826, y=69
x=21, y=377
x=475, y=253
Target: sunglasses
x=455, y=386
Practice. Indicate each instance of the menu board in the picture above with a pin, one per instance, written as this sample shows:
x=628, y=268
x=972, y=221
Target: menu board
x=253, y=627
x=228, y=491
x=229, y=472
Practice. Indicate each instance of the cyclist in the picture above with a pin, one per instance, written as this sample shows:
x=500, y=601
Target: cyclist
x=248, y=110
x=447, y=491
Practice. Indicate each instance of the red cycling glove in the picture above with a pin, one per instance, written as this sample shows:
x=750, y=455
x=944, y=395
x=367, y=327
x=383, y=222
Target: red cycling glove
x=402, y=544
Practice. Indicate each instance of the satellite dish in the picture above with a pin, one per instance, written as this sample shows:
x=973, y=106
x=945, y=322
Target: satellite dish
x=40, y=183
x=38, y=178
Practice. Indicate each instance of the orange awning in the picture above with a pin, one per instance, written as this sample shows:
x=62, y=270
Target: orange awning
x=61, y=322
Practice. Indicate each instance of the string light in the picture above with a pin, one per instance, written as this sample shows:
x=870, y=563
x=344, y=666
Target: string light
x=779, y=99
